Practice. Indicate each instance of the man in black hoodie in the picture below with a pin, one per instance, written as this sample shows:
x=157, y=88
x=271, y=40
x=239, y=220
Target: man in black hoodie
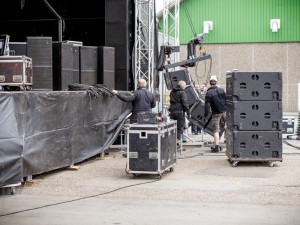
x=178, y=107
x=215, y=101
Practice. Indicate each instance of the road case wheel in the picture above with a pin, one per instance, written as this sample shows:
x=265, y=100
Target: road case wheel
x=13, y=191
x=234, y=163
x=271, y=163
x=171, y=169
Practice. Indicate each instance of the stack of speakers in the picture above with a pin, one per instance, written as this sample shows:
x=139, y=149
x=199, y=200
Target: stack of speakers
x=119, y=33
x=58, y=64
x=82, y=64
x=254, y=116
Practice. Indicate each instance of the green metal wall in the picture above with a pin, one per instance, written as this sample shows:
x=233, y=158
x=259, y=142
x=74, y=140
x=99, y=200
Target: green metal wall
x=241, y=21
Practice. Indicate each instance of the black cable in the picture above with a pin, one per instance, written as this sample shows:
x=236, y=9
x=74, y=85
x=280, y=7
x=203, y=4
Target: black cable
x=189, y=19
x=287, y=143
x=78, y=199
x=192, y=156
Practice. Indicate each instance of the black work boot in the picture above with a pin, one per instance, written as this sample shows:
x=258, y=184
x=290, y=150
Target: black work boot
x=215, y=149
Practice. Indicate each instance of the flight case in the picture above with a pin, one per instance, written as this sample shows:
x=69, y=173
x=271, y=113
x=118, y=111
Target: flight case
x=151, y=148
x=16, y=71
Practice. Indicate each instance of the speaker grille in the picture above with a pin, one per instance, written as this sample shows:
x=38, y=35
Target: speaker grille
x=106, y=66
x=40, y=50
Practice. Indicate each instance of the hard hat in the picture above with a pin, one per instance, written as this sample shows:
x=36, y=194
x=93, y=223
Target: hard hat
x=213, y=77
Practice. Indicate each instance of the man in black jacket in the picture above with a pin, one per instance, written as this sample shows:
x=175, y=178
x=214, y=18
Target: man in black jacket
x=142, y=99
x=178, y=107
x=215, y=101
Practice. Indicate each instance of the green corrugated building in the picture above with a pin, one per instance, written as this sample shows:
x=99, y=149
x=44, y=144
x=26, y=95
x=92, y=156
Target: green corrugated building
x=241, y=38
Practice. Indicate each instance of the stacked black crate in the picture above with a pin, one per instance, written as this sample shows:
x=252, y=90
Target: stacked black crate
x=254, y=116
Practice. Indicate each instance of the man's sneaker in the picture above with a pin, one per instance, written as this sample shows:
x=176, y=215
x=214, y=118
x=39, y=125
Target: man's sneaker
x=215, y=149
x=124, y=155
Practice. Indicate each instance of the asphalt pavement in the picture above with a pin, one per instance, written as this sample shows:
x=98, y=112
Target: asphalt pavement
x=203, y=188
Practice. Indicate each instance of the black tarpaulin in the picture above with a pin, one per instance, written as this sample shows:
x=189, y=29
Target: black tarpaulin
x=43, y=131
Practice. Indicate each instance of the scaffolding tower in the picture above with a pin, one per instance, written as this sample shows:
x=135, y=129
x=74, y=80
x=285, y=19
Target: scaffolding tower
x=144, y=64
x=145, y=16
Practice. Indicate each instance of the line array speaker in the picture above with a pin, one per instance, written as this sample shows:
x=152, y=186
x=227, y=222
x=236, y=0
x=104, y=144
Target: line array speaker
x=40, y=50
x=119, y=33
x=63, y=66
x=106, y=66
x=173, y=77
x=89, y=63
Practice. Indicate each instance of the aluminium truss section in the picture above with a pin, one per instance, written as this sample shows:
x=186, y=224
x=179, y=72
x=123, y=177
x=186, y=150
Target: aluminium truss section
x=144, y=41
x=170, y=37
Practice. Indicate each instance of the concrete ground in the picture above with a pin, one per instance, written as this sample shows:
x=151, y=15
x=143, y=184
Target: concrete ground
x=203, y=189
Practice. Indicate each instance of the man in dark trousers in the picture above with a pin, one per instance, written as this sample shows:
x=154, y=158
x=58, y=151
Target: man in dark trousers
x=178, y=107
x=142, y=99
x=215, y=101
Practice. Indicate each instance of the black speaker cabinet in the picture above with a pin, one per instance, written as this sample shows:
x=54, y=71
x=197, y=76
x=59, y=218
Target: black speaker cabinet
x=106, y=66
x=122, y=80
x=76, y=64
x=254, y=86
x=197, y=116
x=89, y=63
x=173, y=77
x=192, y=95
x=63, y=66
x=254, y=115
x=40, y=50
x=119, y=33
x=254, y=145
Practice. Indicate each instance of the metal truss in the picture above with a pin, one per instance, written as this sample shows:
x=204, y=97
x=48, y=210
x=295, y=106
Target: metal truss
x=171, y=25
x=170, y=38
x=144, y=42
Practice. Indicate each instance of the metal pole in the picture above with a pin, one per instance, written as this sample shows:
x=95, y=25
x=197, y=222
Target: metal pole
x=60, y=21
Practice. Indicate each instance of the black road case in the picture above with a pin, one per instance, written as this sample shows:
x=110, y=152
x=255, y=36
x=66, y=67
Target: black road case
x=151, y=148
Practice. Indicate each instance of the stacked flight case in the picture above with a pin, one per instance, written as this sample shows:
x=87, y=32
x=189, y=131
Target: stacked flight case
x=254, y=117
x=151, y=148
x=15, y=71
